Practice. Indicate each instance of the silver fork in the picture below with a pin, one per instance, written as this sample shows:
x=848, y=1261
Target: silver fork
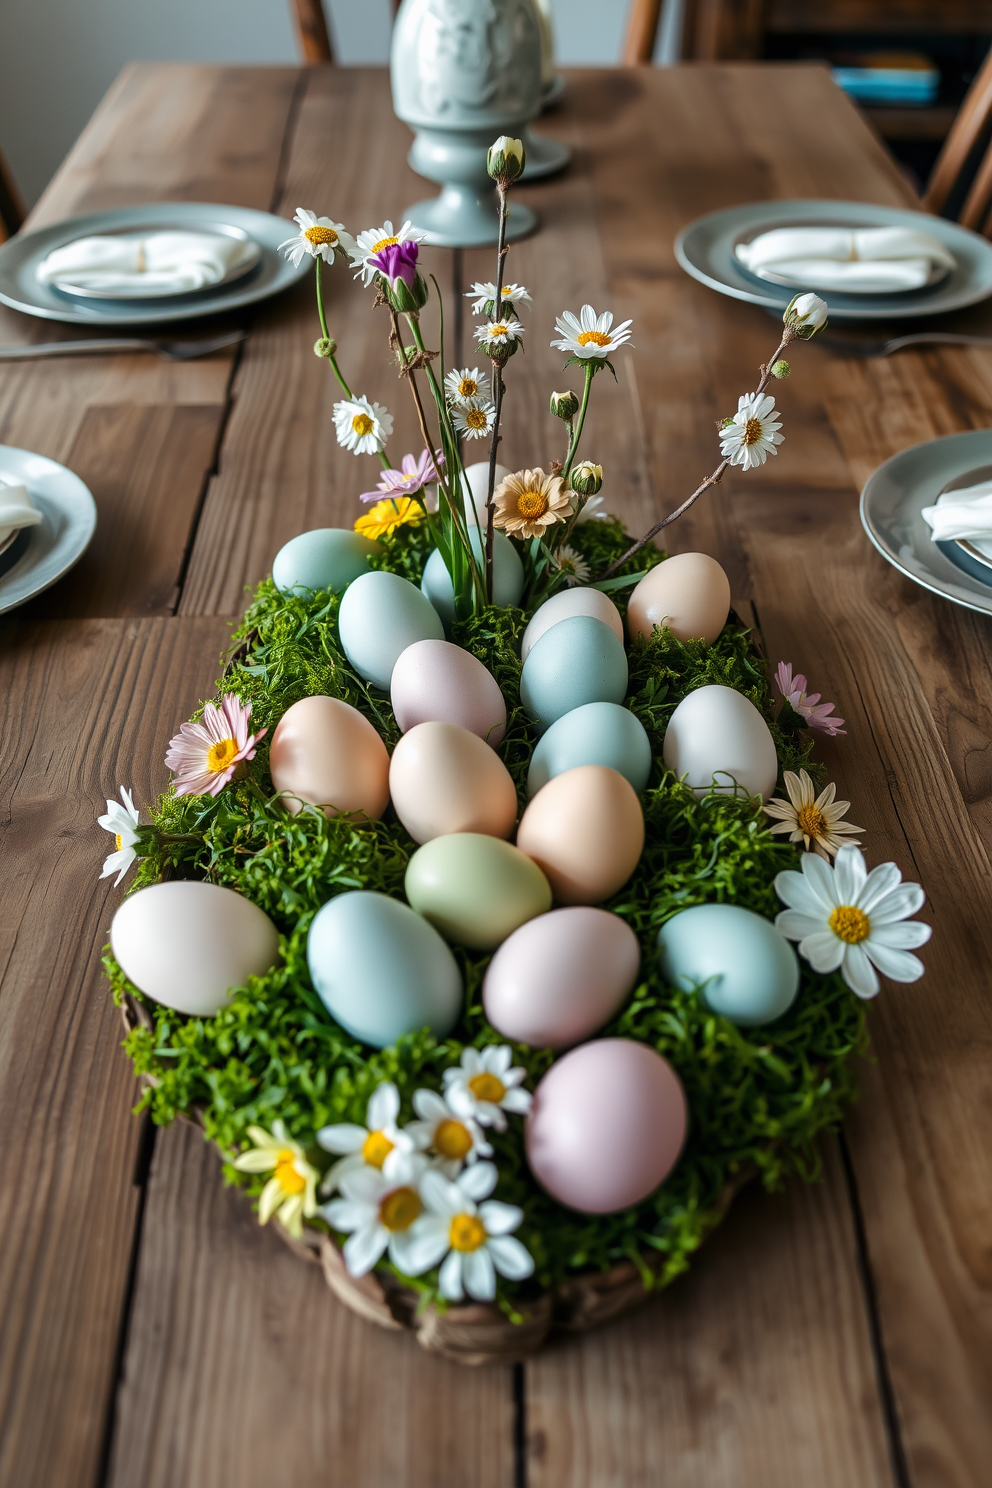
x=867, y=349
x=170, y=351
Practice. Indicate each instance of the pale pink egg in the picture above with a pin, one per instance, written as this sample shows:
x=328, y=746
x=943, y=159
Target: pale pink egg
x=325, y=753
x=436, y=681
x=606, y=1126
x=444, y=779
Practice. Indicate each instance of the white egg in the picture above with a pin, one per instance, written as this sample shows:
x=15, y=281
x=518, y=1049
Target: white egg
x=477, y=480
x=718, y=741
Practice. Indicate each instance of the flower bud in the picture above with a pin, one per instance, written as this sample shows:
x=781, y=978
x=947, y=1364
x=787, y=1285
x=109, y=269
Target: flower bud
x=506, y=160
x=586, y=479
x=325, y=347
x=805, y=314
x=565, y=405
x=780, y=369
x=498, y=352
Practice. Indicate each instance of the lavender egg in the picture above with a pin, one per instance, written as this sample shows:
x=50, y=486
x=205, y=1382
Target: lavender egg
x=438, y=682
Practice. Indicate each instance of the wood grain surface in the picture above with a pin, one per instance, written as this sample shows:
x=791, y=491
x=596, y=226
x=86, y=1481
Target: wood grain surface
x=831, y=1336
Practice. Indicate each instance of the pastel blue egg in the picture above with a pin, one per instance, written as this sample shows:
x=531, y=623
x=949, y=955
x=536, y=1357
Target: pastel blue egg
x=508, y=576
x=579, y=660
x=327, y=558
x=380, y=615
x=595, y=734
x=745, y=969
x=381, y=970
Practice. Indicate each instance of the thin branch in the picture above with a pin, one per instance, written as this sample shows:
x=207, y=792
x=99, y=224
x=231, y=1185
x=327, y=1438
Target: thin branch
x=497, y=392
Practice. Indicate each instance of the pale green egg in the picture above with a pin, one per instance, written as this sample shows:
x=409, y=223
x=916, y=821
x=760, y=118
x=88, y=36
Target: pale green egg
x=380, y=615
x=381, y=970
x=579, y=660
x=327, y=558
x=508, y=576
x=477, y=890
x=744, y=968
x=595, y=734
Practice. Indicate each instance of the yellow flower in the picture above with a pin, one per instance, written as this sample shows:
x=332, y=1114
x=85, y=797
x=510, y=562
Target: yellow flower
x=389, y=514
x=811, y=818
x=291, y=1192
x=529, y=502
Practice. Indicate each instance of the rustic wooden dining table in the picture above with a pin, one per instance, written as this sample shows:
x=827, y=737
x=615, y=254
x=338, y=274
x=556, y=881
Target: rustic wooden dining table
x=837, y=1335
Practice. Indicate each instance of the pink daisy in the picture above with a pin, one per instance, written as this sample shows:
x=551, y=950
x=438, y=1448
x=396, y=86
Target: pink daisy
x=413, y=475
x=806, y=704
x=206, y=755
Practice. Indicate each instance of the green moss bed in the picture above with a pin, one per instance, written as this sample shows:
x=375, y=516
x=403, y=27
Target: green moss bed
x=757, y=1097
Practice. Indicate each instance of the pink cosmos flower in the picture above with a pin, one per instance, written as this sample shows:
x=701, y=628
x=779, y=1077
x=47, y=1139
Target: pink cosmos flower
x=806, y=704
x=206, y=755
x=413, y=475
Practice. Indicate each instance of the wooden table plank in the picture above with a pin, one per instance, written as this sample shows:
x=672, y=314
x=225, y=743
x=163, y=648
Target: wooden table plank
x=82, y=708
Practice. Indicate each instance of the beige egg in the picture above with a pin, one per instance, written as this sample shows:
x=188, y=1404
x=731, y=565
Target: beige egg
x=585, y=830
x=325, y=753
x=444, y=779
x=690, y=593
x=563, y=606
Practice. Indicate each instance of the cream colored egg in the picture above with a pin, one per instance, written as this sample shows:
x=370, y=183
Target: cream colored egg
x=325, y=753
x=585, y=831
x=563, y=606
x=716, y=740
x=444, y=779
x=689, y=592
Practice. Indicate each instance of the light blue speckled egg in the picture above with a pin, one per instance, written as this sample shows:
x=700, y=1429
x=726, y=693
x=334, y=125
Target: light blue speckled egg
x=577, y=661
x=595, y=734
x=327, y=558
x=508, y=576
x=745, y=969
x=381, y=970
x=380, y=615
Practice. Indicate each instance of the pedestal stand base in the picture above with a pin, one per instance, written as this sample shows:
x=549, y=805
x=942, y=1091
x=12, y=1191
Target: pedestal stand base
x=544, y=156
x=463, y=218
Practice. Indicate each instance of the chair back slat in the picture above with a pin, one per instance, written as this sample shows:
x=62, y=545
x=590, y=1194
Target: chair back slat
x=311, y=31
x=642, y=32
x=12, y=208
x=966, y=132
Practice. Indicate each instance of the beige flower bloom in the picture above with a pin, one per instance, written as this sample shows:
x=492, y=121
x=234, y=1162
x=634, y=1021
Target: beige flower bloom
x=529, y=502
x=809, y=818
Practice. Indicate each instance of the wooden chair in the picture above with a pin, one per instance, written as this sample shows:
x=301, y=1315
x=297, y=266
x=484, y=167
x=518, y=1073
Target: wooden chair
x=12, y=209
x=956, y=161
x=312, y=33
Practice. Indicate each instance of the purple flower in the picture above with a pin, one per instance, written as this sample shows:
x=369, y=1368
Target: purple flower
x=806, y=704
x=397, y=261
x=413, y=475
x=205, y=756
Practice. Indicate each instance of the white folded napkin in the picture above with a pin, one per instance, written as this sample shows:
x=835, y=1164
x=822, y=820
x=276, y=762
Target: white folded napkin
x=852, y=260
x=172, y=262
x=962, y=514
x=16, y=510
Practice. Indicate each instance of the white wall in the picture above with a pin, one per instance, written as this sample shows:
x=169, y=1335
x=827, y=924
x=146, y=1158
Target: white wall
x=58, y=57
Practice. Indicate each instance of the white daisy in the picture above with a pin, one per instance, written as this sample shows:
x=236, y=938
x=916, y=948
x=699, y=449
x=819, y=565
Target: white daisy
x=373, y=240
x=845, y=917
x=453, y=1138
x=499, y=332
x=377, y=1211
x=753, y=432
x=474, y=420
x=318, y=236
x=589, y=334
x=465, y=386
x=471, y=1241
x=362, y=427
x=483, y=1085
x=290, y=1193
x=120, y=821
x=483, y=294
x=365, y=1146
x=574, y=567
x=811, y=818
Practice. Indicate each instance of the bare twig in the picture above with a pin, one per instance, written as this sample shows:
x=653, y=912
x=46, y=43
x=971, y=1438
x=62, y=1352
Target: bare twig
x=497, y=392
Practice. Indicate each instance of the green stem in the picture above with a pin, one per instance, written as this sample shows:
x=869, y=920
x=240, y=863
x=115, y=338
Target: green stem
x=574, y=445
x=318, y=279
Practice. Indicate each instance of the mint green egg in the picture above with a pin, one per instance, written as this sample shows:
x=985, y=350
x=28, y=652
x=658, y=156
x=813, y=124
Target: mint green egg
x=508, y=576
x=595, y=734
x=327, y=558
x=380, y=615
x=745, y=970
x=476, y=890
x=580, y=660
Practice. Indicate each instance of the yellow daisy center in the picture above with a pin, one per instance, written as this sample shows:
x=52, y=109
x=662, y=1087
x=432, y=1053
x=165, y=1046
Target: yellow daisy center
x=497, y=330
x=400, y=1208
x=318, y=235
x=811, y=820
x=598, y=338
x=752, y=431
x=452, y=1139
x=362, y=424
x=532, y=504
x=467, y=1232
x=376, y=1148
x=290, y=1181
x=850, y=924
x=384, y=243
x=476, y=419
x=119, y=841
x=487, y=1087
x=468, y=387
x=506, y=292
x=220, y=756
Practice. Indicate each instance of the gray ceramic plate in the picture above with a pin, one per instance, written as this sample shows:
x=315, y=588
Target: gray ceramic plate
x=20, y=257
x=40, y=555
x=897, y=492
x=705, y=249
